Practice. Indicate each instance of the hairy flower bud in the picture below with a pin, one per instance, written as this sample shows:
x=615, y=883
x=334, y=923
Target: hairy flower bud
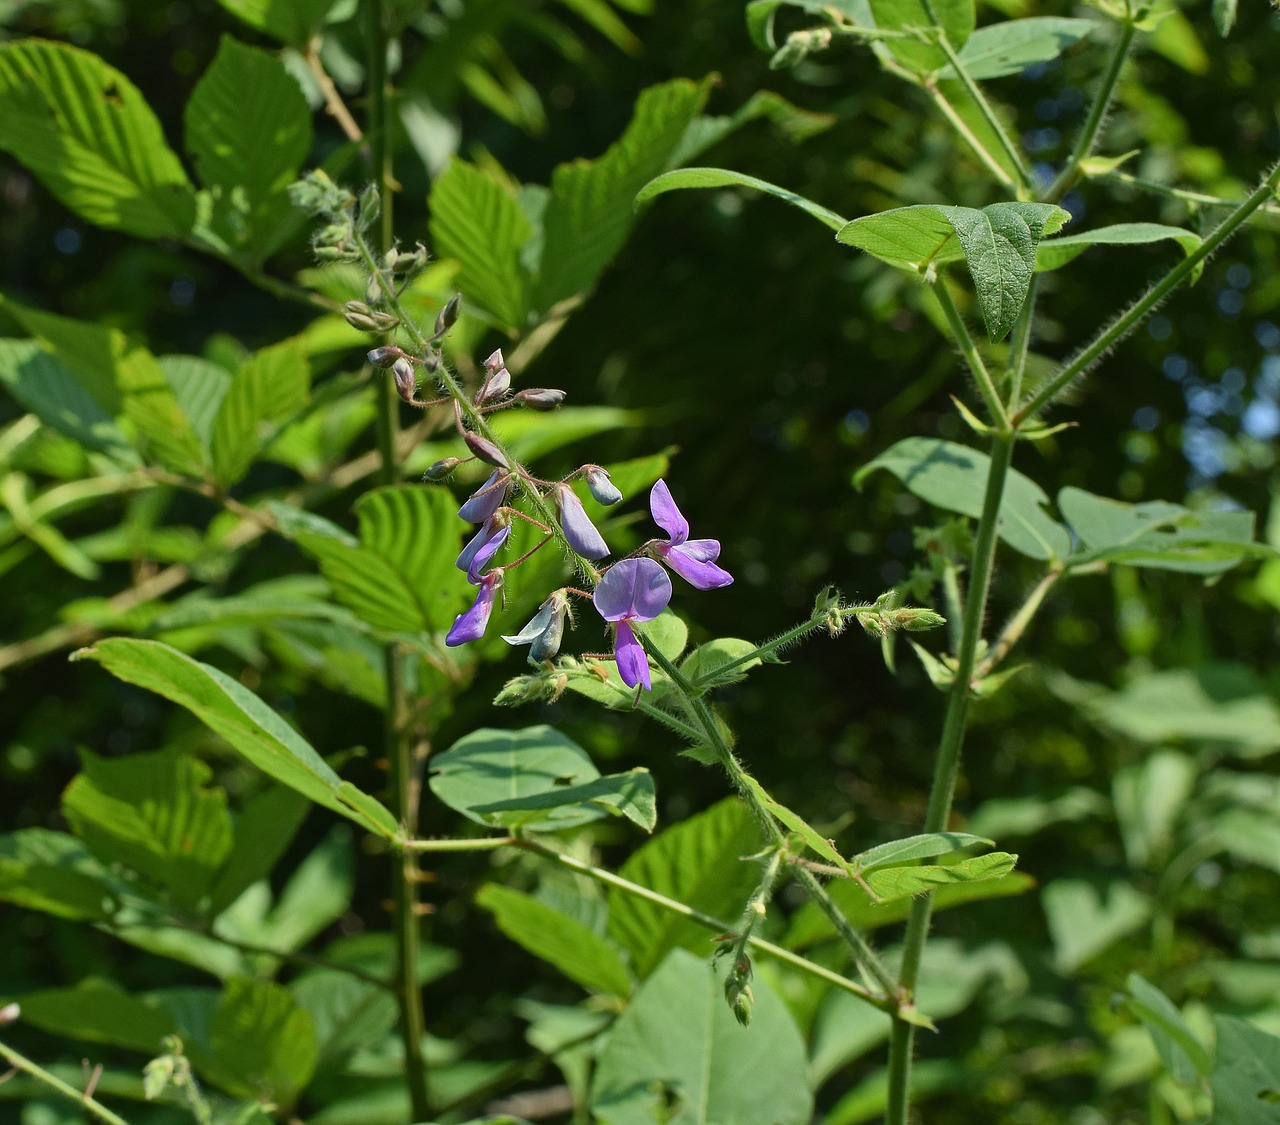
x=384, y=357
x=359, y=316
x=442, y=468
x=406, y=381
x=483, y=448
x=497, y=382
x=448, y=315
x=541, y=398
x=602, y=488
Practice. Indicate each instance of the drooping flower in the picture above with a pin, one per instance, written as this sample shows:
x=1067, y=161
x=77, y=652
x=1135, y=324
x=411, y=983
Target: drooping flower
x=631, y=590
x=579, y=531
x=488, y=498
x=470, y=626
x=601, y=486
x=693, y=559
x=483, y=546
x=544, y=632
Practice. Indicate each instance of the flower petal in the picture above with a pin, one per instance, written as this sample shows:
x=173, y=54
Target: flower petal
x=470, y=626
x=578, y=529
x=486, y=499
x=665, y=513
x=695, y=563
x=483, y=546
x=632, y=589
x=633, y=664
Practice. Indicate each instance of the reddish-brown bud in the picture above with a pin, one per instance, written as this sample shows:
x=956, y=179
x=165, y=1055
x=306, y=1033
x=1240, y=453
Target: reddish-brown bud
x=385, y=357
x=483, y=448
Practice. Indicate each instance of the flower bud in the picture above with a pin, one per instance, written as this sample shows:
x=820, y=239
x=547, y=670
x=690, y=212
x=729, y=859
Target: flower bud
x=372, y=291
x=601, y=487
x=406, y=381
x=497, y=383
x=541, y=398
x=385, y=321
x=544, y=633
x=448, y=315
x=483, y=448
x=442, y=468
x=360, y=316
x=579, y=532
x=9, y=1014
x=384, y=357
x=495, y=361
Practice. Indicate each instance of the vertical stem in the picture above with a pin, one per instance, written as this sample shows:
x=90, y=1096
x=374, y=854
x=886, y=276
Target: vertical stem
x=395, y=720
x=981, y=376
x=947, y=765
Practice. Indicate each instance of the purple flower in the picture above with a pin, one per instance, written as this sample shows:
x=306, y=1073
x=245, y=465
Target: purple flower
x=601, y=486
x=487, y=499
x=483, y=546
x=631, y=590
x=470, y=626
x=578, y=529
x=544, y=633
x=693, y=559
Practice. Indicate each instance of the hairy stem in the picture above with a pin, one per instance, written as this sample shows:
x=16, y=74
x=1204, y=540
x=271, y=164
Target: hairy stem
x=984, y=155
x=981, y=376
x=80, y=1097
x=1017, y=624
x=947, y=765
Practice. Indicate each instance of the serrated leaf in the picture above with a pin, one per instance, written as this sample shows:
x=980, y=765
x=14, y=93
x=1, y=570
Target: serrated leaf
x=478, y=222
x=578, y=952
x=1009, y=47
x=1246, y=1073
x=891, y=883
x=1057, y=252
x=678, y=1055
x=199, y=386
x=53, y=872
x=248, y=128
x=953, y=477
x=952, y=18
x=705, y=178
x=228, y=708
x=154, y=813
x=912, y=848
x=264, y=389
x=590, y=210
x=1184, y=1056
x=89, y=136
x=698, y=862
x=293, y=23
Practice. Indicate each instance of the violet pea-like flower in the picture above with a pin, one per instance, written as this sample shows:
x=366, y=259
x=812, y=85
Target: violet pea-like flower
x=470, y=626
x=693, y=559
x=579, y=532
x=631, y=590
x=483, y=546
x=488, y=498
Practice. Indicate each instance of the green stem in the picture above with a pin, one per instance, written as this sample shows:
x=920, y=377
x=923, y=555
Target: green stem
x=1133, y=316
x=1017, y=624
x=1088, y=137
x=55, y=1083
x=1023, y=182
x=947, y=765
x=1020, y=344
x=1182, y=194
x=969, y=349
x=984, y=155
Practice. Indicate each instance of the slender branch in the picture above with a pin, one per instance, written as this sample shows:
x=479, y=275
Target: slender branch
x=334, y=105
x=1020, y=344
x=981, y=376
x=1088, y=137
x=947, y=764
x=1133, y=316
x=80, y=1097
x=1017, y=624
x=1196, y=197
x=984, y=155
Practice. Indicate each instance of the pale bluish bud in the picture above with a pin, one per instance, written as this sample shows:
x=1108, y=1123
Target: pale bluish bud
x=384, y=357
x=601, y=487
x=541, y=398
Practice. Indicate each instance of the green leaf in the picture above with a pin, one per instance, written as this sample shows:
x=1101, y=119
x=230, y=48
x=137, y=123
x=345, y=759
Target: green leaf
x=590, y=211
x=228, y=708
x=1057, y=252
x=262, y=832
x=401, y=577
x=678, y=1055
x=1085, y=919
x=953, y=477
x=260, y=1043
x=346, y=1013
x=535, y=778
x=153, y=813
x=248, y=128
x=89, y=136
x=1246, y=1074
x=1184, y=1056
x=997, y=242
x=699, y=863
x=912, y=848
x=52, y=872
x=478, y=222
x=952, y=18
x=682, y=178
x=891, y=883
x=630, y=794
x=813, y=839
x=578, y=952
x=1009, y=47
x=264, y=389
x=706, y=665
x=1149, y=797
x=1224, y=16
x=1158, y=535
x=98, y=1011
x=790, y=120
x=53, y=394
x=199, y=386
x=293, y=22
x=317, y=894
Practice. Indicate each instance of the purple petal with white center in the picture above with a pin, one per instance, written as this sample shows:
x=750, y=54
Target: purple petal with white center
x=633, y=664
x=665, y=513
x=579, y=531
x=470, y=626
x=695, y=562
x=632, y=590
x=486, y=499
x=483, y=546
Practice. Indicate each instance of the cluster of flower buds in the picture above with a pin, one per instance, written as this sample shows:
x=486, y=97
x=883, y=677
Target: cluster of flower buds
x=737, y=989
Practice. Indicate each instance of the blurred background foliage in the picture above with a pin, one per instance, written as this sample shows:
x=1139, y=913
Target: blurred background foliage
x=772, y=363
